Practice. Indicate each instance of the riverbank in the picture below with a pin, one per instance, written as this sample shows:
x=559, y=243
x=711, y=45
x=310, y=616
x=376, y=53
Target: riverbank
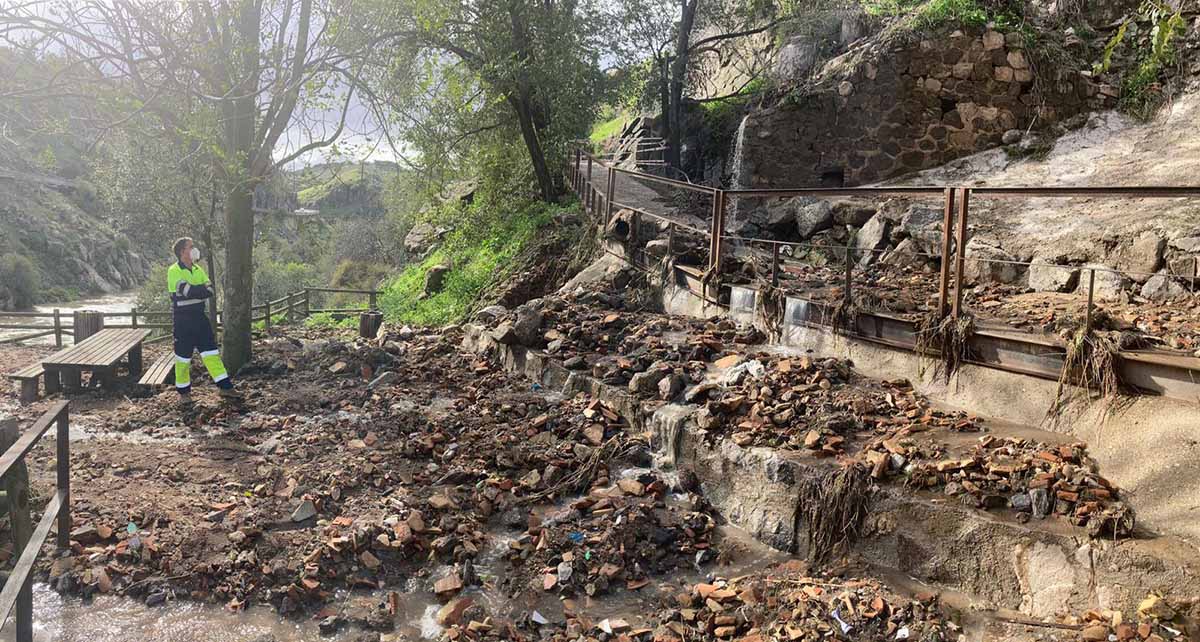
x=119, y=303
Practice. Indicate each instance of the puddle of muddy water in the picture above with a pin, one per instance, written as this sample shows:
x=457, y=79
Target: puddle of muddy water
x=118, y=619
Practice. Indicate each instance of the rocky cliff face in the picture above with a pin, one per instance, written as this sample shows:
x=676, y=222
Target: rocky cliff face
x=74, y=251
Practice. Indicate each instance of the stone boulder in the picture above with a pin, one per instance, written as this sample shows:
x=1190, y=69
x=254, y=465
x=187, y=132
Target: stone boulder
x=1189, y=244
x=421, y=238
x=1047, y=275
x=435, y=280
x=907, y=253
x=1161, y=288
x=924, y=226
x=873, y=236
x=852, y=214
x=1110, y=285
x=1142, y=257
x=988, y=263
x=814, y=218
x=527, y=325
x=797, y=217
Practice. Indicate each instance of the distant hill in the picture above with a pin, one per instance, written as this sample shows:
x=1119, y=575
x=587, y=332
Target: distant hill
x=344, y=189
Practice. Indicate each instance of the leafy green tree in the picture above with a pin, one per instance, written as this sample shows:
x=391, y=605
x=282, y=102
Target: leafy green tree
x=465, y=71
x=677, y=36
x=227, y=78
x=20, y=278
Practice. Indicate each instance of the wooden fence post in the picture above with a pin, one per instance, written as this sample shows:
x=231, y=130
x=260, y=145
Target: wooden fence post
x=267, y=319
x=133, y=317
x=16, y=484
x=63, y=446
x=57, y=328
x=307, y=302
x=372, y=305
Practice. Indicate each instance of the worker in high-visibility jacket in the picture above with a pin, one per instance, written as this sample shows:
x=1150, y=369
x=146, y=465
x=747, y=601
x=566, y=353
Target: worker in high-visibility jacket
x=190, y=288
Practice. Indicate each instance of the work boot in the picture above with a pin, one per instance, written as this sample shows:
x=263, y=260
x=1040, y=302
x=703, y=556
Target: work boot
x=185, y=400
x=231, y=394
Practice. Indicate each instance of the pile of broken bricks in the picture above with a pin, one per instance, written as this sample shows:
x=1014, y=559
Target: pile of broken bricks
x=1033, y=478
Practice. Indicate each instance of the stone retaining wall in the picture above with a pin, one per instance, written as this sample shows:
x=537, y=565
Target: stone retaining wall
x=883, y=110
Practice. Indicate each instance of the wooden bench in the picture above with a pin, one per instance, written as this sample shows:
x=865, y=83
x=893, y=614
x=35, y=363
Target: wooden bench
x=28, y=377
x=161, y=372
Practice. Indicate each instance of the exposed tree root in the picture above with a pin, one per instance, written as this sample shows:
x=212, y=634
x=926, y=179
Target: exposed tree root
x=944, y=342
x=832, y=507
x=1090, y=362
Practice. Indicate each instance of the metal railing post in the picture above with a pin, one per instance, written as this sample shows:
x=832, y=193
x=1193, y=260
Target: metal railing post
x=1087, y=324
x=718, y=230
x=774, y=265
x=63, y=445
x=847, y=296
x=947, y=245
x=591, y=196
x=609, y=193
x=964, y=205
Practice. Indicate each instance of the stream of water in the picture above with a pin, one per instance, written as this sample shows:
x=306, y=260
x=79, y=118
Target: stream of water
x=112, y=303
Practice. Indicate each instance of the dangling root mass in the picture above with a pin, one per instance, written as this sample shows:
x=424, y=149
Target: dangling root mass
x=833, y=506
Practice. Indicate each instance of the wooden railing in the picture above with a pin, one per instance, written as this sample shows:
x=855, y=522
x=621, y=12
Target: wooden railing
x=293, y=307
x=27, y=540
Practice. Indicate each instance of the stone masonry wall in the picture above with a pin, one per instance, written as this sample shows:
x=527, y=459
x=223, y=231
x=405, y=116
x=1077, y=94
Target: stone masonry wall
x=881, y=110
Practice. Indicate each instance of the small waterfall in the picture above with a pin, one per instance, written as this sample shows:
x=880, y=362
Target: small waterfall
x=666, y=425
x=737, y=178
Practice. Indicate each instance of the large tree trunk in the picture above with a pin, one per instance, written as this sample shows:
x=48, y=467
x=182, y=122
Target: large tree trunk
x=240, y=114
x=679, y=67
x=536, y=155
x=239, y=276
x=664, y=97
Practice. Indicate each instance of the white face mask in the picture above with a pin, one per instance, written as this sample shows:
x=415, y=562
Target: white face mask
x=195, y=255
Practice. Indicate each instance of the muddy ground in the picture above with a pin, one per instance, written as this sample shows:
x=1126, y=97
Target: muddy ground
x=356, y=475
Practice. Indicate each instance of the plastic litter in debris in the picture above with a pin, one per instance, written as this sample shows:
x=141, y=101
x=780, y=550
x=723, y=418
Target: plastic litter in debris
x=836, y=614
x=753, y=369
x=576, y=537
x=538, y=618
x=902, y=634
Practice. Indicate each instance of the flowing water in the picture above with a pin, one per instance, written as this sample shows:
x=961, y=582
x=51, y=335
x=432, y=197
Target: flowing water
x=111, y=303
x=736, y=178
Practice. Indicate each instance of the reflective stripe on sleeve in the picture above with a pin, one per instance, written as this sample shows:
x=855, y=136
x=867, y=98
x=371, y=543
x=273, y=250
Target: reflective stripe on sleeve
x=188, y=302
